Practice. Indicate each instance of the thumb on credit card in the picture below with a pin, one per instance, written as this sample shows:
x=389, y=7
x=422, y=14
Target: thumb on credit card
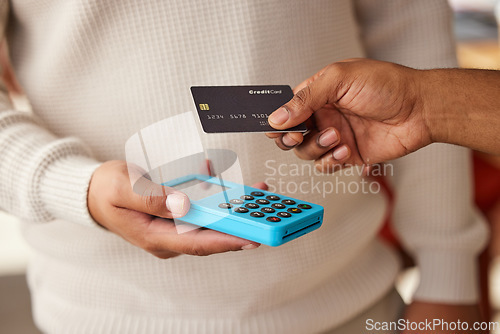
x=315, y=92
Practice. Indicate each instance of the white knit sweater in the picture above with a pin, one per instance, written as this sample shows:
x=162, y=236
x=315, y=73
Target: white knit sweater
x=98, y=71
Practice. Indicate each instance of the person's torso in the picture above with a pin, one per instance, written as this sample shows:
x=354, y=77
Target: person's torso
x=103, y=70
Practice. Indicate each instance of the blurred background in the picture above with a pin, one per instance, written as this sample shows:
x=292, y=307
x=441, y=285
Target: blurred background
x=477, y=32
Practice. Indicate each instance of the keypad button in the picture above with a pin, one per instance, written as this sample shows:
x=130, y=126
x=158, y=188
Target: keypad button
x=267, y=210
x=262, y=201
x=241, y=210
x=294, y=210
x=273, y=197
x=284, y=214
x=304, y=206
x=257, y=214
x=225, y=206
x=252, y=205
x=236, y=201
x=288, y=201
x=257, y=193
x=247, y=197
x=278, y=206
x=273, y=219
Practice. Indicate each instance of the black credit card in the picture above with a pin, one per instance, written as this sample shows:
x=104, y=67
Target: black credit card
x=240, y=108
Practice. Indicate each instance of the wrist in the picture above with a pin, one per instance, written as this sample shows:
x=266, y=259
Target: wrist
x=444, y=105
x=429, y=106
x=63, y=189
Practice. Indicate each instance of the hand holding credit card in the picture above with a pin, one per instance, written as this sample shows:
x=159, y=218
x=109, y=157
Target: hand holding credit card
x=240, y=108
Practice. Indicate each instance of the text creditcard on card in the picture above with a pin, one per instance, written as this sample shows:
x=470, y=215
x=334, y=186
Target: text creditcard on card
x=240, y=108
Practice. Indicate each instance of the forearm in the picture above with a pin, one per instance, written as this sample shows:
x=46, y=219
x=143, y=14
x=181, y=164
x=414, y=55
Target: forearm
x=462, y=107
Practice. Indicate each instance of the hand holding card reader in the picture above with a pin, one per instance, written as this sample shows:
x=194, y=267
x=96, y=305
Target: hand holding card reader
x=246, y=212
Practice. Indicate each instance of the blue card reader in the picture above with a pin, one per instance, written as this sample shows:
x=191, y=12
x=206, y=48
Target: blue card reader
x=246, y=212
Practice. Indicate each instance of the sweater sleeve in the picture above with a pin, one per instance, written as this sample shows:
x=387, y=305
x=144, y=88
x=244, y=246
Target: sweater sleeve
x=434, y=215
x=42, y=177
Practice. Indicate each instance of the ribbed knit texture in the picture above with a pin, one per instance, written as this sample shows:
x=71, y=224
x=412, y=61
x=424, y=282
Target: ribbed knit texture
x=96, y=72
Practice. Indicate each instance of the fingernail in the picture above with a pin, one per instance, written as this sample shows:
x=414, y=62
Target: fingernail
x=288, y=142
x=328, y=138
x=341, y=153
x=279, y=117
x=249, y=246
x=176, y=204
